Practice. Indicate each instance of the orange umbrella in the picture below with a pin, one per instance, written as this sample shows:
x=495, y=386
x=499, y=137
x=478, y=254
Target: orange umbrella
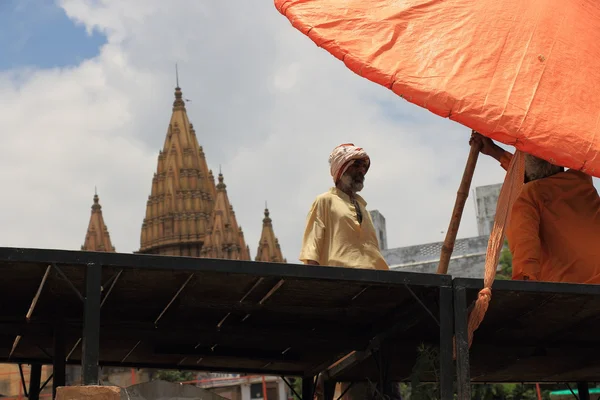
x=522, y=72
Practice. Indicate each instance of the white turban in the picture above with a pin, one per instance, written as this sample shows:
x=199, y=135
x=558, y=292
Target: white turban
x=342, y=156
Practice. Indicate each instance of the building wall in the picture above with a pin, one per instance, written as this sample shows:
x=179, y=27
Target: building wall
x=468, y=256
x=486, y=198
x=467, y=261
x=379, y=223
x=124, y=377
x=10, y=380
x=238, y=387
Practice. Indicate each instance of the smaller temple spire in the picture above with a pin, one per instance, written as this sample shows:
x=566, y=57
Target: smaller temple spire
x=97, y=237
x=269, y=249
x=225, y=238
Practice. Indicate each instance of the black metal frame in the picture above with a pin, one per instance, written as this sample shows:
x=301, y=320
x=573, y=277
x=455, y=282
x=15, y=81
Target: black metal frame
x=94, y=262
x=91, y=325
x=194, y=264
x=445, y=323
x=452, y=313
x=461, y=309
x=452, y=302
x=35, y=376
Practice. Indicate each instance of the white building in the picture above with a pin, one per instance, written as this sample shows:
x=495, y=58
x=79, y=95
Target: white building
x=468, y=257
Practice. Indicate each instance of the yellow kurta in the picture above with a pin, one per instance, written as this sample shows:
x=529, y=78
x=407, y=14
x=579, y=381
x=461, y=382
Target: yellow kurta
x=333, y=236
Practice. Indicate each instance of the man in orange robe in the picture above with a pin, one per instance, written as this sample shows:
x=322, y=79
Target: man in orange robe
x=554, y=232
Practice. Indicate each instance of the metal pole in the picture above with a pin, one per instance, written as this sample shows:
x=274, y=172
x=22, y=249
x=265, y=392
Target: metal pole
x=446, y=330
x=307, y=388
x=329, y=389
x=583, y=391
x=463, y=373
x=264, y=388
x=90, y=347
x=35, y=380
x=59, y=355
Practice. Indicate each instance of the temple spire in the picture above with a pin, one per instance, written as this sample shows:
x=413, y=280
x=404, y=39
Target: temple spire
x=225, y=238
x=269, y=249
x=176, y=75
x=181, y=198
x=97, y=237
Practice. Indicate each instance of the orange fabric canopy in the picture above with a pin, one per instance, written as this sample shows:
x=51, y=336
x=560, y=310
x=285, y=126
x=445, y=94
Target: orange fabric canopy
x=523, y=72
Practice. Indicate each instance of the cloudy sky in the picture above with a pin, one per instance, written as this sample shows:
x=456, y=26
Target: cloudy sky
x=86, y=89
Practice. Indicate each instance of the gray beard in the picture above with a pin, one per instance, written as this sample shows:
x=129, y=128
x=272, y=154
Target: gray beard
x=351, y=184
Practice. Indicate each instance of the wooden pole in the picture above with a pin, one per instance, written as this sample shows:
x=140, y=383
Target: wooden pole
x=539, y=391
x=459, y=205
x=264, y=388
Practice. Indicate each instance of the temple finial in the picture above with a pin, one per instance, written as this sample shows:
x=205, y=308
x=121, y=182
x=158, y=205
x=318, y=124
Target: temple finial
x=221, y=185
x=96, y=205
x=176, y=75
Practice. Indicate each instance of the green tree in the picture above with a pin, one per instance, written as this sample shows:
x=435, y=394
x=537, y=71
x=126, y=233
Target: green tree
x=173, y=375
x=505, y=262
x=296, y=383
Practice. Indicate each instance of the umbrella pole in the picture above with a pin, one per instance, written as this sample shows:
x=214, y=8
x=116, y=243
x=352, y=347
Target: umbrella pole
x=459, y=205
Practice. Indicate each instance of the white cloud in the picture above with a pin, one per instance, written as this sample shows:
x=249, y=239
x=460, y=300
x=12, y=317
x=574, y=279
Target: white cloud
x=267, y=105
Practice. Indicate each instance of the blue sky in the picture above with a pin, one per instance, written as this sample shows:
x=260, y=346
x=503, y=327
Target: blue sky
x=38, y=33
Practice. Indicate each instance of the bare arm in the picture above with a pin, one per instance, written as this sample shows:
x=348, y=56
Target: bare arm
x=489, y=148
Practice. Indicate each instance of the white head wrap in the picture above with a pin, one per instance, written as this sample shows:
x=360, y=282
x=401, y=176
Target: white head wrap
x=341, y=157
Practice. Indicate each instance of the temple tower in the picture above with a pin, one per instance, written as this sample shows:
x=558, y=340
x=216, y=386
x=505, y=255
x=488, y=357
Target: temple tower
x=181, y=201
x=97, y=237
x=268, y=246
x=225, y=238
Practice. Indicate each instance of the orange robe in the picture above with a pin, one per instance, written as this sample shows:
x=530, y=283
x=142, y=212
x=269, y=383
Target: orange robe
x=554, y=232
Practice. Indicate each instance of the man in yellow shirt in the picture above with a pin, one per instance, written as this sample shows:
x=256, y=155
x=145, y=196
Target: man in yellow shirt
x=339, y=230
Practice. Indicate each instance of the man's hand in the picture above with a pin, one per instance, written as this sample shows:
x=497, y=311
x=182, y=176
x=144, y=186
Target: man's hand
x=311, y=262
x=488, y=147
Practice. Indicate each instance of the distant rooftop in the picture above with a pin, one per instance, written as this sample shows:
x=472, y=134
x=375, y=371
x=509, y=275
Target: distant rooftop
x=467, y=261
x=429, y=252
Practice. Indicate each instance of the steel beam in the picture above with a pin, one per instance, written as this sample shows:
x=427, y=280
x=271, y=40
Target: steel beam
x=35, y=380
x=446, y=333
x=462, y=343
x=91, y=325
x=308, y=388
x=59, y=355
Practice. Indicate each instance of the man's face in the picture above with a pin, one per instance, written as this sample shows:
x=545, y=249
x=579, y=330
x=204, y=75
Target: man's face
x=354, y=177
